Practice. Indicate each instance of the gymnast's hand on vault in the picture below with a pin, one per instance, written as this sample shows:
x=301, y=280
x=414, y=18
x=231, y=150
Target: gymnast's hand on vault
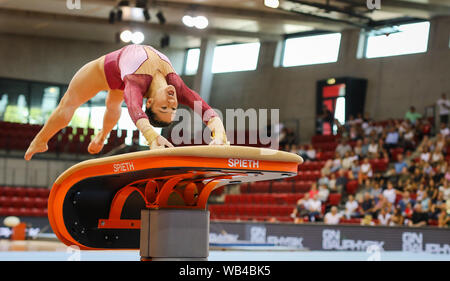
x=160, y=142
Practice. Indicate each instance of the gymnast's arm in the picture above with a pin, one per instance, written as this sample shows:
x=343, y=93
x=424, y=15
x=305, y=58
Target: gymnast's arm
x=136, y=85
x=190, y=98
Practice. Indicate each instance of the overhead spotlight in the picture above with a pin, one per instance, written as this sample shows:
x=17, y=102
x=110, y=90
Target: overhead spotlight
x=119, y=15
x=137, y=37
x=146, y=15
x=165, y=41
x=272, y=3
x=201, y=22
x=112, y=17
x=188, y=21
x=161, y=17
x=126, y=36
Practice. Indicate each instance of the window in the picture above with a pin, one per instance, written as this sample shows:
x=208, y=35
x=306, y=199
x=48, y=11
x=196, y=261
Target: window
x=314, y=49
x=14, y=101
x=44, y=99
x=192, y=59
x=236, y=57
x=403, y=39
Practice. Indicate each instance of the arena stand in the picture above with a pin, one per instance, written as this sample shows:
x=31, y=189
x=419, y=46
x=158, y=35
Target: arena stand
x=274, y=201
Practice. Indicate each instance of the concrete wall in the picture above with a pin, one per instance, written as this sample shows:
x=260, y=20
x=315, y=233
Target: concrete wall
x=55, y=60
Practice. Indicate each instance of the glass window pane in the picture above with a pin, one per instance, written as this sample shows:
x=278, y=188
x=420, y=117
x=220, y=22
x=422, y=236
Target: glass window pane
x=192, y=59
x=14, y=101
x=80, y=118
x=44, y=99
x=238, y=57
x=309, y=50
x=410, y=39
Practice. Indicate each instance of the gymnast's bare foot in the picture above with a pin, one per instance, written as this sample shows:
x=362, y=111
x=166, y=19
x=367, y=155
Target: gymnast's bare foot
x=96, y=144
x=35, y=147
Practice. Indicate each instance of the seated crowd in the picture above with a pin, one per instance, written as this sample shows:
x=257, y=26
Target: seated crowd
x=413, y=191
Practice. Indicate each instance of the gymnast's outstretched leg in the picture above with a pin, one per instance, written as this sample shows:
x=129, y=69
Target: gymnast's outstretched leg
x=86, y=83
x=113, y=104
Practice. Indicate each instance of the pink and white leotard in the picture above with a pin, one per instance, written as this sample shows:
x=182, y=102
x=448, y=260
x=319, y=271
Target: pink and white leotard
x=120, y=68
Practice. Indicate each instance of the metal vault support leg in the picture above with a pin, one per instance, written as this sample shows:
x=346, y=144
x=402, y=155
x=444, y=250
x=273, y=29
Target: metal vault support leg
x=174, y=234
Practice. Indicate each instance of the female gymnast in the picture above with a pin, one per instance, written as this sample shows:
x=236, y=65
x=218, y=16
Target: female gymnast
x=131, y=73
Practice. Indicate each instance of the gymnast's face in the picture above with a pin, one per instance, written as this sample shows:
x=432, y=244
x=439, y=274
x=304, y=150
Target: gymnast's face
x=164, y=103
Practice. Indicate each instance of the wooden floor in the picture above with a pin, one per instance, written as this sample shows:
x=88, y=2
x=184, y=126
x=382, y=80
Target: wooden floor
x=31, y=245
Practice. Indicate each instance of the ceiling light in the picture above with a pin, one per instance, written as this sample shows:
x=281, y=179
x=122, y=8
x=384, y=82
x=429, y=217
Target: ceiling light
x=137, y=37
x=188, y=21
x=272, y=3
x=200, y=22
x=126, y=36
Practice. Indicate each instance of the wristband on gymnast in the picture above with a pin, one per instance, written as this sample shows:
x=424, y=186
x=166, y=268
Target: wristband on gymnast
x=150, y=135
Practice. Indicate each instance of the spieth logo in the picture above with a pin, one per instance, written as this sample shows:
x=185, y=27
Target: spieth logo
x=258, y=234
x=242, y=163
x=331, y=240
x=413, y=242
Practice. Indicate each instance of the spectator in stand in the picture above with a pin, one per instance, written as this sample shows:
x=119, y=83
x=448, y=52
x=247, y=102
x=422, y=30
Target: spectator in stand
x=425, y=203
x=332, y=184
x=358, y=148
x=323, y=193
x=373, y=149
x=436, y=157
x=326, y=169
x=336, y=163
x=313, y=190
x=384, y=217
x=406, y=199
x=347, y=161
x=392, y=139
x=445, y=189
x=436, y=204
x=408, y=139
x=332, y=217
x=444, y=108
x=311, y=153
x=419, y=217
x=351, y=207
x=390, y=193
x=425, y=155
x=444, y=130
x=301, y=210
x=367, y=205
x=302, y=151
x=341, y=181
x=375, y=190
x=412, y=115
x=365, y=148
x=397, y=218
x=407, y=212
x=314, y=208
x=443, y=218
x=343, y=147
x=365, y=171
x=400, y=164
x=323, y=180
